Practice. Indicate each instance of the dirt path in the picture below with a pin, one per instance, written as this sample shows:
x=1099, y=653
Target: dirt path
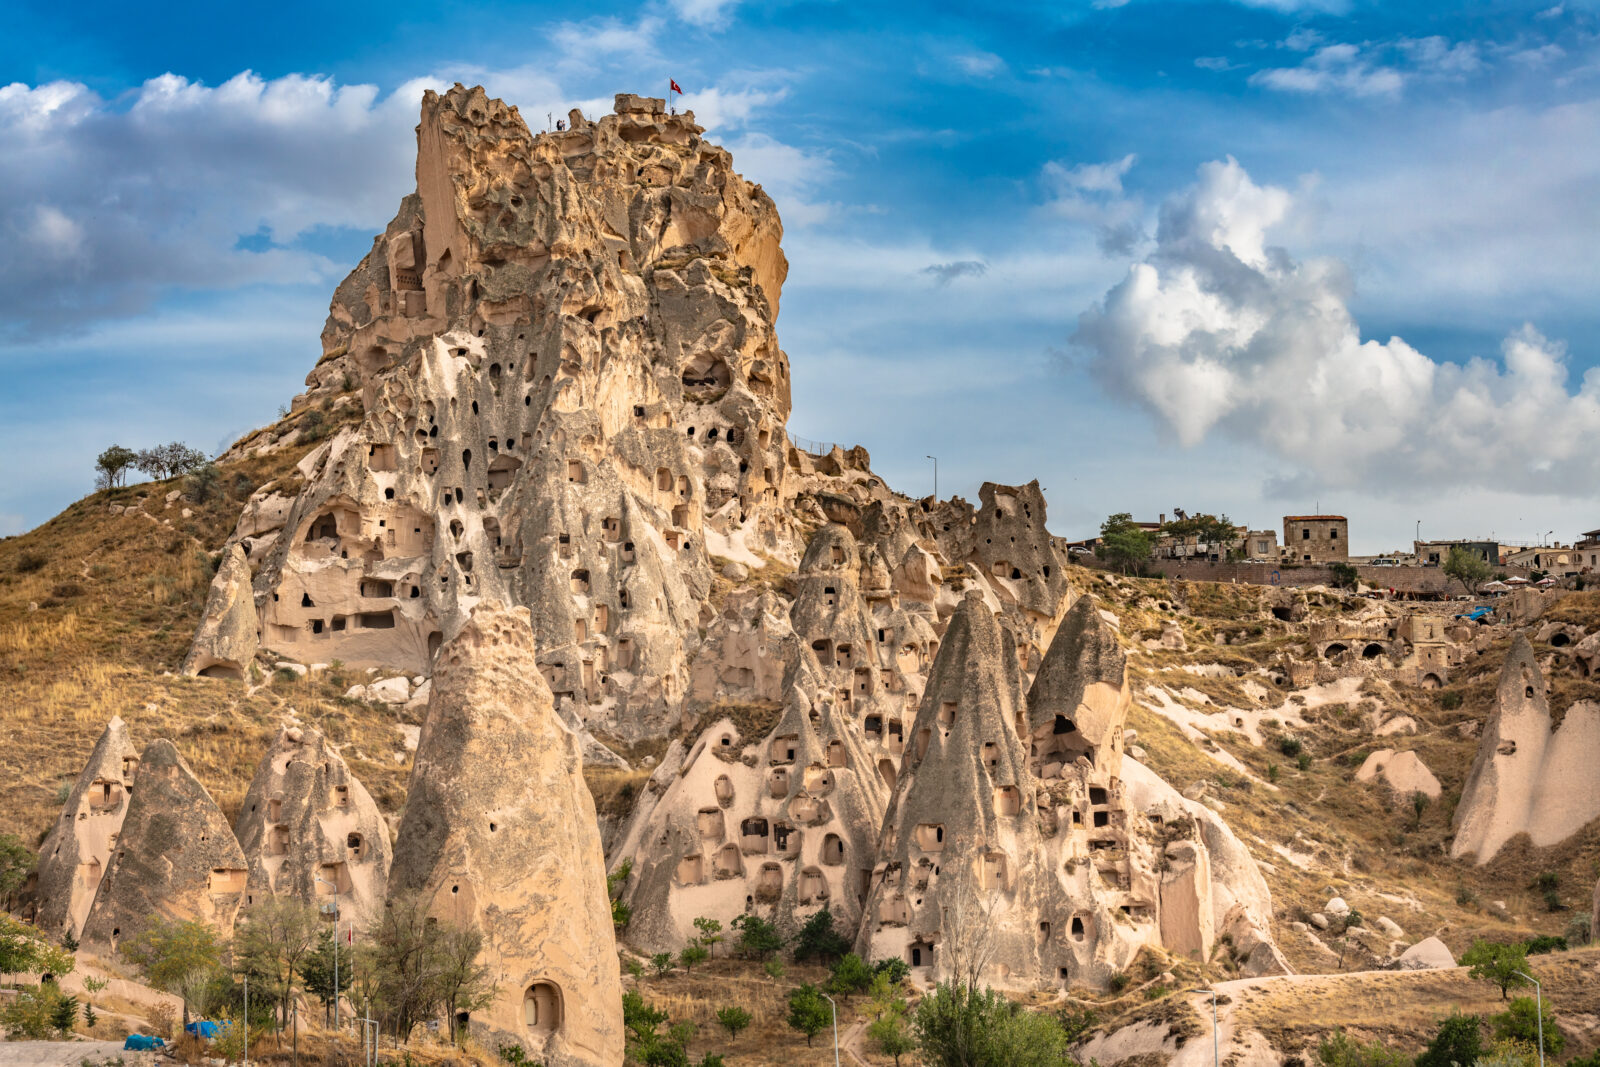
x=69, y=1054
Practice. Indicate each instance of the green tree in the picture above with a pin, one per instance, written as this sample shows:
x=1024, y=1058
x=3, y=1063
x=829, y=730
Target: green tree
x=1344, y=576
x=1466, y=567
x=959, y=1026
x=31, y=1013
x=1209, y=531
x=710, y=933
x=662, y=962
x=694, y=952
x=757, y=936
x=179, y=956
x=809, y=1011
x=892, y=1036
x=271, y=944
x=111, y=467
x=318, y=971
x=16, y=861
x=1520, y=1022
x=621, y=914
x=733, y=1019
x=850, y=975
x=1123, y=543
x=819, y=940
x=168, y=460
x=1459, y=1041
x=64, y=1015
x=464, y=985
x=22, y=951
x=1502, y=964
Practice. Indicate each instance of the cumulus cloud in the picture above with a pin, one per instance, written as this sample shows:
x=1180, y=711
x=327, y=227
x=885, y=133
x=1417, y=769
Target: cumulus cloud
x=102, y=204
x=1333, y=68
x=1219, y=331
x=705, y=13
x=945, y=273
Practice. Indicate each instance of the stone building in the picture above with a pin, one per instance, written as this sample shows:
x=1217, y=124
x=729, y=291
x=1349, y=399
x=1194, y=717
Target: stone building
x=1316, y=538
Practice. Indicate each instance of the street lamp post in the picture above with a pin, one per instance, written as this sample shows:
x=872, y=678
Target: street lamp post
x=935, y=477
x=334, y=886
x=1538, y=1001
x=1215, y=1049
x=835, y=1008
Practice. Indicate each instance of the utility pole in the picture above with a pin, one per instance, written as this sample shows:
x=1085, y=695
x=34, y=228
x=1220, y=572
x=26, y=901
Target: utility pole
x=935, y=477
x=835, y=1008
x=245, y=1022
x=1538, y=1001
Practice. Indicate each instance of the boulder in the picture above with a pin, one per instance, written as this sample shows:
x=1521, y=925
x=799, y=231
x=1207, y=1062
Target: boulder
x=1336, y=908
x=1404, y=772
x=1427, y=954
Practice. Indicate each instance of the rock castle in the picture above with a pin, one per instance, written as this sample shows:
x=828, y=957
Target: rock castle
x=568, y=495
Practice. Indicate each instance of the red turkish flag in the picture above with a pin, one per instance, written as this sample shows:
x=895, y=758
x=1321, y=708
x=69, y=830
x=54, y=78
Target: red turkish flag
x=675, y=87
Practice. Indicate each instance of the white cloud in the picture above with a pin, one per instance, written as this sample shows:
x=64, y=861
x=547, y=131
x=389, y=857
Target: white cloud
x=1218, y=63
x=706, y=13
x=1438, y=55
x=719, y=109
x=1540, y=56
x=1092, y=193
x=980, y=64
x=790, y=175
x=1333, y=68
x=1217, y=331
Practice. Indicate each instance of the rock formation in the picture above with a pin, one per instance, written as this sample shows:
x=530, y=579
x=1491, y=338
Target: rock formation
x=225, y=646
x=78, y=849
x=176, y=857
x=779, y=825
x=1403, y=772
x=499, y=834
x=309, y=828
x=1037, y=864
x=1528, y=776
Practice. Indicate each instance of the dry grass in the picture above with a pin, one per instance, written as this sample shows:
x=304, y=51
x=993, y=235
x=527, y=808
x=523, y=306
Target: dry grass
x=1403, y=1009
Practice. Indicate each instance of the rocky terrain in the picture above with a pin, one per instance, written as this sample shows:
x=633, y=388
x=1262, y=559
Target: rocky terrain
x=537, y=524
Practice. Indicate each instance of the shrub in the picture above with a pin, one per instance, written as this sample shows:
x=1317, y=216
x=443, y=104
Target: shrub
x=1449, y=700
x=1303, y=761
x=694, y=952
x=1520, y=1022
x=1119, y=981
x=850, y=975
x=28, y=562
x=896, y=968
x=1544, y=943
x=1458, y=1041
x=1545, y=881
x=1552, y=900
x=1290, y=745
x=662, y=962
x=1340, y=1050
x=757, y=936
x=32, y=1013
x=959, y=1026
x=809, y=1011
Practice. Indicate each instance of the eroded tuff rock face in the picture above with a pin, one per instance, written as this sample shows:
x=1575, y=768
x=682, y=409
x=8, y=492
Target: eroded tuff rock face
x=175, y=858
x=77, y=851
x=779, y=825
x=572, y=393
x=1528, y=777
x=499, y=834
x=308, y=826
x=227, y=640
x=571, y=398
x=1024, y=862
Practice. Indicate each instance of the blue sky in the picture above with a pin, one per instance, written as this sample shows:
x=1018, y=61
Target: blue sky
x=1257, y=258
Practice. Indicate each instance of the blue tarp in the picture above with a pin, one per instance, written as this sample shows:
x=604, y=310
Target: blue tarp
x=204, y=1028
x=142, y=1043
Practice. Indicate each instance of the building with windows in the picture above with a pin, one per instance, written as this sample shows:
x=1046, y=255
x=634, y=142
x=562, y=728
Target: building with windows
x=1316, y=538
x=1434, y=553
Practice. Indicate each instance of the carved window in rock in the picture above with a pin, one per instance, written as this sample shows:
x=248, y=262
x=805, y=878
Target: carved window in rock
x=723, y=787
x=783, y=748
x=992, y=871
x=895, y=739
x=769, y=882
x=813, y=886
x=930, y=837
x=1007, y=800
x=785, y=839
x=887, y=772
x=837, y=756
x=753, y=835
x=580, y=582
x=691, y=870
x=920, y=954
x=778, y=782
x=729, y=862
x=818, y=780
x=355, y=845
x=709, y=823
x=542, y=1007
x=832, y=850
